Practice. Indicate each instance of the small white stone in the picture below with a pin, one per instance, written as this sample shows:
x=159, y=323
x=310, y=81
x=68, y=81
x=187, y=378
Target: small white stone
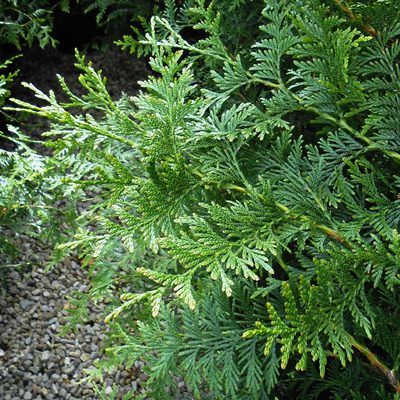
x=25, y=304
x=108, y=390
x=45, y=355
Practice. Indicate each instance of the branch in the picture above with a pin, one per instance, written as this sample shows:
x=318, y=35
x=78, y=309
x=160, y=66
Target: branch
x=377, y=363
x=367, y=27
x=323, y=228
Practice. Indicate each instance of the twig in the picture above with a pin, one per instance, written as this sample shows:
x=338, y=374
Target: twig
x=367, y=27
x=377, y=363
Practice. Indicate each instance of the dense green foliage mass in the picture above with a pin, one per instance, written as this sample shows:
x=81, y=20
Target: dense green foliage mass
x=27, y=195
x=24, y=22
x=20, y=169
x=245, y=204
x=5, y=80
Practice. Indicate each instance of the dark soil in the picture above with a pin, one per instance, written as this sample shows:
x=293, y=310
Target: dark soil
x=41, y=67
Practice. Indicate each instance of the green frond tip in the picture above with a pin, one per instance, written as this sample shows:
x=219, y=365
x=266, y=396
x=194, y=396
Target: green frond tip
x=180, y=284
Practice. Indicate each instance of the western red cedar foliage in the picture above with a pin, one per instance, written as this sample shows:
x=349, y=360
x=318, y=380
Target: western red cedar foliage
x=25, y=22
x=245, y=204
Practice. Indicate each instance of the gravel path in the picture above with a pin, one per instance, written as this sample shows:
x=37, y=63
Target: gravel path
x=35, y=361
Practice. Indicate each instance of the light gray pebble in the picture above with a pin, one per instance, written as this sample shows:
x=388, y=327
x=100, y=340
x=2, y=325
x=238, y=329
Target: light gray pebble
x=56, y=285
x=12, y=369
x=55, y=377
x=45, y=356
x=25, y=304
x=68, y=369
x=74, y=265
x=54, y=388
x=35, y=388
x=93, y=347
x=55, y=326
x=88, y=363
x=85, y=357
x=61, y=352
x=108, y=390
x=34, y=369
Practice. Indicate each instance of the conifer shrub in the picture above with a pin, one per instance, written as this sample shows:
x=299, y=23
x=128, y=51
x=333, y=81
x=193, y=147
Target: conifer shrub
x=112, y=12
x=25, y=205
x=25, y=22
x=28, y=189
x=244, y=206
